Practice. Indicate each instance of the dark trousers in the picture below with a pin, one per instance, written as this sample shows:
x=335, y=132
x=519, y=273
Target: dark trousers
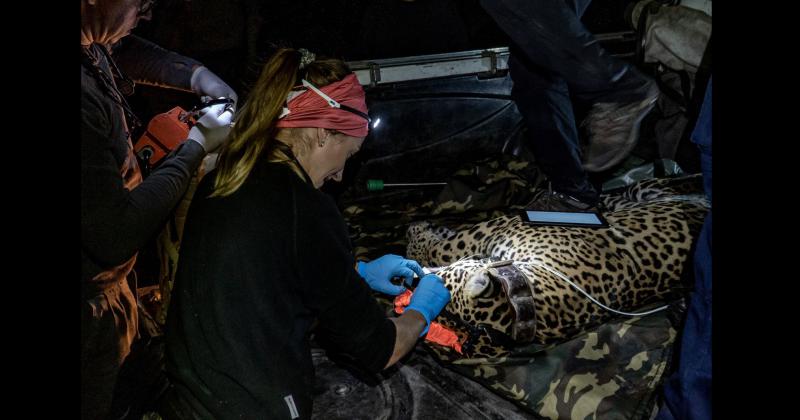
x=553, y=58
x=109, y=323
x=687, y=393
x=122, y=355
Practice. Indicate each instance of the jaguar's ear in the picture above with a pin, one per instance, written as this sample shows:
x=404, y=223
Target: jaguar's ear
x=478, y=284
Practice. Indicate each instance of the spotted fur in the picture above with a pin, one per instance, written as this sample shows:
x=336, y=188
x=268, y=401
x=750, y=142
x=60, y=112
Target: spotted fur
x=635, y=262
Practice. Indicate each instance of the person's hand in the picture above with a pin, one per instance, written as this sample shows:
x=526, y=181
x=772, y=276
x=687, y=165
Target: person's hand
x=429, y=299
x=213, y=127
x=205, y=83
x=379, y=273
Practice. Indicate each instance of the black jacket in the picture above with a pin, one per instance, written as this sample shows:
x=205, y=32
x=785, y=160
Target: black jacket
x=256, y=268
x=119, y=211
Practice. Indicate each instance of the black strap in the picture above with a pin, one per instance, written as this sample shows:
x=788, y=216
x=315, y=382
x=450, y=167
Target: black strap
x=516, y=287
x=91, y=60
x=287, y=150
x=520, y=296
x=355, y=111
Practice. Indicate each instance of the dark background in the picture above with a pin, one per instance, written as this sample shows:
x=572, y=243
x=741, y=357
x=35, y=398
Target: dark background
x=234, y=37
x=753, y=112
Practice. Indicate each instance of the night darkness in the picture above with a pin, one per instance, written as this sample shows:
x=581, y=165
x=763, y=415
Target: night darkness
x=233, y=37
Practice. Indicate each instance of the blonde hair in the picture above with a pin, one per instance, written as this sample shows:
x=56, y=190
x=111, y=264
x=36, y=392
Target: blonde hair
x=253, y=135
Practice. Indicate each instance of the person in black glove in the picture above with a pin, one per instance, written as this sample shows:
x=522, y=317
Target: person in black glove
x=266, y=259
x=119, y=210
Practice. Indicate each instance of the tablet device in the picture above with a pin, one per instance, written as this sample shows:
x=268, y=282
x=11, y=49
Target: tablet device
x=564, y=218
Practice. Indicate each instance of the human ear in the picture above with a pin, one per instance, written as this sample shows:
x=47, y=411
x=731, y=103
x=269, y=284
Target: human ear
x=322, y=135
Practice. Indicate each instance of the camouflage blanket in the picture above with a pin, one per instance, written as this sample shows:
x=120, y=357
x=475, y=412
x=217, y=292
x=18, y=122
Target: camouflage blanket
x=610, y=372
x=477, y=192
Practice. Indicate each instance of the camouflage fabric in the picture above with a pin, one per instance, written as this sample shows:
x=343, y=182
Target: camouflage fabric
x=609, y=372
x=479, y=191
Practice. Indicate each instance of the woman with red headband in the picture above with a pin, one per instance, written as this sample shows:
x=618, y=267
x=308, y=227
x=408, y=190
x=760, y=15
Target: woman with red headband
x=266, y=257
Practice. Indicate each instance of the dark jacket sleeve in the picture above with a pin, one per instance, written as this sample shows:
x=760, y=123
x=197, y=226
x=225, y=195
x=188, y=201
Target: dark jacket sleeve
x=147, y=63
x=348, y=314
x=116, y=222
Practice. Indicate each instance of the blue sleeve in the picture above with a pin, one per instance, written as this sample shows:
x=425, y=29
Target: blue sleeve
x=702, y=137
x=702, y=130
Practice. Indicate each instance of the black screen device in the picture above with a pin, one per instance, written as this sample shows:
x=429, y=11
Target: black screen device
x=564, y=218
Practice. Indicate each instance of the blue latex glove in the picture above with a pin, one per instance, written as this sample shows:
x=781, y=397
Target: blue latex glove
x=378, y=273
x=429, y=298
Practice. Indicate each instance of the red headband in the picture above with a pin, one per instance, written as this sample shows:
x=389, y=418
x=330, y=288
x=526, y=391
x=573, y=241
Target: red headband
x=309, y=109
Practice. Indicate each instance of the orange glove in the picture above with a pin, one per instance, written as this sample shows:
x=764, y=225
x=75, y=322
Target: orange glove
x=437, y=333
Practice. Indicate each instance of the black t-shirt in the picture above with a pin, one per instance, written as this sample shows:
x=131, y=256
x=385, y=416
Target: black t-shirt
x=256, y=268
